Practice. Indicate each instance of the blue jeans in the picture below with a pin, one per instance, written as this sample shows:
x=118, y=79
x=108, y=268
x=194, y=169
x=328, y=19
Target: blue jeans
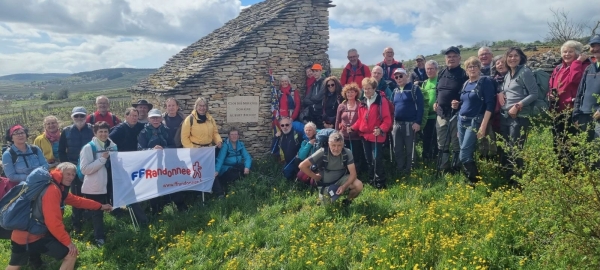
x=467, y=137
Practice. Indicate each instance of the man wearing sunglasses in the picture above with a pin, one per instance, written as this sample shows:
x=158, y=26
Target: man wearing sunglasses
x=286, y=145
x=72, y=139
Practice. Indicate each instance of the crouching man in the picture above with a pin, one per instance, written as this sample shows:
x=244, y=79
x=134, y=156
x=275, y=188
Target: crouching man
x=56, y=243
x=333, y=168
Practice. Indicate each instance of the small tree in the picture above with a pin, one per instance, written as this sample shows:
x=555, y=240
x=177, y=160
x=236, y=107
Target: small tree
x=45, y=96
x=562, y=28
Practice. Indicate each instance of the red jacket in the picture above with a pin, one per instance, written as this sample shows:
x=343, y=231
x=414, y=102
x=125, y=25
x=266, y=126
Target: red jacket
x=566, y=81
x=370, y=118
x=53, y=215
x=283, y=106
x=111, y=119
x=349, y=75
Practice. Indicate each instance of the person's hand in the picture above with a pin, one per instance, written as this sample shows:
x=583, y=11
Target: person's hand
x=340, y=190
x=313, y=141
x=513, y=112
x=105, y=155
x=317, y=178
x=377, y=132
x=246, y=171
x=219, y=145
x=278, y=133
x=481, y=132
x=73, y=250
x=106, y=208
x=158, y=147
x=435, y=107
x=501, y=98
x=349, y=129
x=416, y=127
x=596, y=115
x=455, y=104
x=551, y=97
x=582, y=57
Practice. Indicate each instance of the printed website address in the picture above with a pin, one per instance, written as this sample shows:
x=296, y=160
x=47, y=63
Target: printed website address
x=178, y=184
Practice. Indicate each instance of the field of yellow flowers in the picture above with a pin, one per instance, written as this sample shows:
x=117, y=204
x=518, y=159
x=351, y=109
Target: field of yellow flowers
x=420, y=222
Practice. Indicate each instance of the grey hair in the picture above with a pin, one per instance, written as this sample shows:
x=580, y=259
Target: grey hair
x=484, y=48
x=311, y=124
x=200, y=99
x=284, y=77
x=336, y=137
x=101, y=97
x=573, y=44
x=375, y=67
x=352, y=50
x=433, y=63
x=63, y=166
x=496, y=58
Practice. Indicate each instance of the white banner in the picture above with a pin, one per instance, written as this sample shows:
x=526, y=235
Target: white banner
x=143, y=175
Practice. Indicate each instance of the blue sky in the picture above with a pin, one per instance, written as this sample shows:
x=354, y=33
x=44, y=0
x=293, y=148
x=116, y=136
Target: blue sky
x=73, y=36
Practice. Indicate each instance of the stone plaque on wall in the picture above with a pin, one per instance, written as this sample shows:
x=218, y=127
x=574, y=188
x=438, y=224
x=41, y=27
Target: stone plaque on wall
x=242, y=109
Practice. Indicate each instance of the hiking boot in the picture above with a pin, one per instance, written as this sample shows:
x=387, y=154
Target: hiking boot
x=471, y=172
x=379, y=184
x=100, y=242
x=445, y=162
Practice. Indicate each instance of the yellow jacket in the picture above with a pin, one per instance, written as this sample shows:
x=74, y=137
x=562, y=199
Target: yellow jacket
x=196, y=135
x=43, y=143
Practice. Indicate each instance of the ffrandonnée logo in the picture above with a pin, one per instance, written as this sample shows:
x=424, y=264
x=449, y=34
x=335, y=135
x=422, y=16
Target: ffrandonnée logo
x=195, y=172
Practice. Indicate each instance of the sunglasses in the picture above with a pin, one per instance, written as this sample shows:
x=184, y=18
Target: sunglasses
x=399, y=76
x=331, y=85
x=79, y=116
x=285, y=125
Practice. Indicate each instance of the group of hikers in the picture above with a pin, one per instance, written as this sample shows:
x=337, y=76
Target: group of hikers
x=339, y=127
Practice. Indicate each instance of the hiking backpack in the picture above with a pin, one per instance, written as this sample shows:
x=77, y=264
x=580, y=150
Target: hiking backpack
x=177, y=138
x=93, y=119
x=542, y=79
x=5, y=184
x=362, y=73
x=323, y=137
x=21, y=208
x=322, y=166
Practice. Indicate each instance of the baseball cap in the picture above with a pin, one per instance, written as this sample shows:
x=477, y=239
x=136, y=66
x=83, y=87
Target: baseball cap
x=595, y=40
x=154, y=113
x=420, y=56
x=452, y=49
x=331, y=192
x=400, y=70
x=317, y=67
x=78, y=110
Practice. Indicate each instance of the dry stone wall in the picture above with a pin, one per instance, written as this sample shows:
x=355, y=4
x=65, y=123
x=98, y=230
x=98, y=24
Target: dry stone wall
x=282, y=35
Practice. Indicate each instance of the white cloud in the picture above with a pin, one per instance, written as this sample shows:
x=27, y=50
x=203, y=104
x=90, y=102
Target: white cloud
x=440, y=23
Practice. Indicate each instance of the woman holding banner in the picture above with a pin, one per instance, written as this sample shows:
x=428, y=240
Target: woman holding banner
x=97, y=183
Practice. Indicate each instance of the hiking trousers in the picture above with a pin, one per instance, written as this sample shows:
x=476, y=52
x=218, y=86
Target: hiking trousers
x=514, y=131
x=467, y=137
x=404, y=139
x=446, y=141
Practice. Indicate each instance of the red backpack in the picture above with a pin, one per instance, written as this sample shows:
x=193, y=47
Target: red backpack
x=5, y=186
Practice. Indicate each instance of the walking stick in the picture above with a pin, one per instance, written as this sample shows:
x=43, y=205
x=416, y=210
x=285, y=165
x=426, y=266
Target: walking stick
x=412, y=158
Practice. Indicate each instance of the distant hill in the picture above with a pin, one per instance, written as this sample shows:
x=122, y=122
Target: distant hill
x=28, y=77
x=102, y=79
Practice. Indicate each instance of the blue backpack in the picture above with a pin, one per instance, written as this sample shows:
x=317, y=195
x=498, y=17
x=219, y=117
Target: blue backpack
x=323, y=137
x=21, y=207
x=80, y=175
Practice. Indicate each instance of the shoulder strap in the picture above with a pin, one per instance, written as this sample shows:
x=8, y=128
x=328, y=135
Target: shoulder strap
x=93, y=118
x=94, y=149
x=13, y=155
x=114, y=119
x=191, y=120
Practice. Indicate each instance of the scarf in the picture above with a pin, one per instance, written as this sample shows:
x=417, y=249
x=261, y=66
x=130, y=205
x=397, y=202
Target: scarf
x=53, y=137
x=201, y=118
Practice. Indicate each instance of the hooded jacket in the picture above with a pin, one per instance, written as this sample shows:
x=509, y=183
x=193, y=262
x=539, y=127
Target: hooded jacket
x=377, y=115
x=95, y=167
x=355, y=75
x=198, y=134
x=565, y=79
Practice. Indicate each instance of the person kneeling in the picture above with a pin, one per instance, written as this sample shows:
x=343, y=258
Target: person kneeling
x=334, y=169
x=56, y=243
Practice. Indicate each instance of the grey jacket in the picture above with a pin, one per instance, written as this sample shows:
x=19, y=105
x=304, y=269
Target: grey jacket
x=586, y=101
x=520, y=88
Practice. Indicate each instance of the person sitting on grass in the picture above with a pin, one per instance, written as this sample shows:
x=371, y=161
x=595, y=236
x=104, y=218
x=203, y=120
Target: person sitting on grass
x=334, y=170
x=56, y=243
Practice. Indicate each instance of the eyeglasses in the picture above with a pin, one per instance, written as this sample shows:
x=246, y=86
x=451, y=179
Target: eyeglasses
x=79, y=116
x=18, y=133
x=399, y=76
x=331, y=85
x=285, y=125
x=472, y=67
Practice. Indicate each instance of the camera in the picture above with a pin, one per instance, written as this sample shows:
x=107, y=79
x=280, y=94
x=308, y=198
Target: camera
x=314, y=168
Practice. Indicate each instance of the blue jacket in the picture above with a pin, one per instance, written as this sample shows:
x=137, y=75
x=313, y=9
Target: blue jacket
x=306, y=150
x=406, y=109
x=228, y=157
x=19, y=171
x=150, y=137
x=72, y=140
x=126, y=137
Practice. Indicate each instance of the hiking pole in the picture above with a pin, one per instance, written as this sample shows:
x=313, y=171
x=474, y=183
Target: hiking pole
x=375, y=163
x=390, y=143
x=412, y=158
x=136, y=225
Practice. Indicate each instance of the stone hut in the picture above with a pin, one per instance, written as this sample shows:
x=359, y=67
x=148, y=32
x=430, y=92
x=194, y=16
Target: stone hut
x=233, y=62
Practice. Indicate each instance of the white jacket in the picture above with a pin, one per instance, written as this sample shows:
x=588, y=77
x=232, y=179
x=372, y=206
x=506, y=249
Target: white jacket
x=96, y=176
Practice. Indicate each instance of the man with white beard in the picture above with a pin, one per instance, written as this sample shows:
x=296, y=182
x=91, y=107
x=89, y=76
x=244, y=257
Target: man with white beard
x=72, y=139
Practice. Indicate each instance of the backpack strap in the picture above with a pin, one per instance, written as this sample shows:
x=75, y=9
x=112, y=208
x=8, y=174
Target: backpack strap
x=93, y=118
x=114, y=119
x=14, y=156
